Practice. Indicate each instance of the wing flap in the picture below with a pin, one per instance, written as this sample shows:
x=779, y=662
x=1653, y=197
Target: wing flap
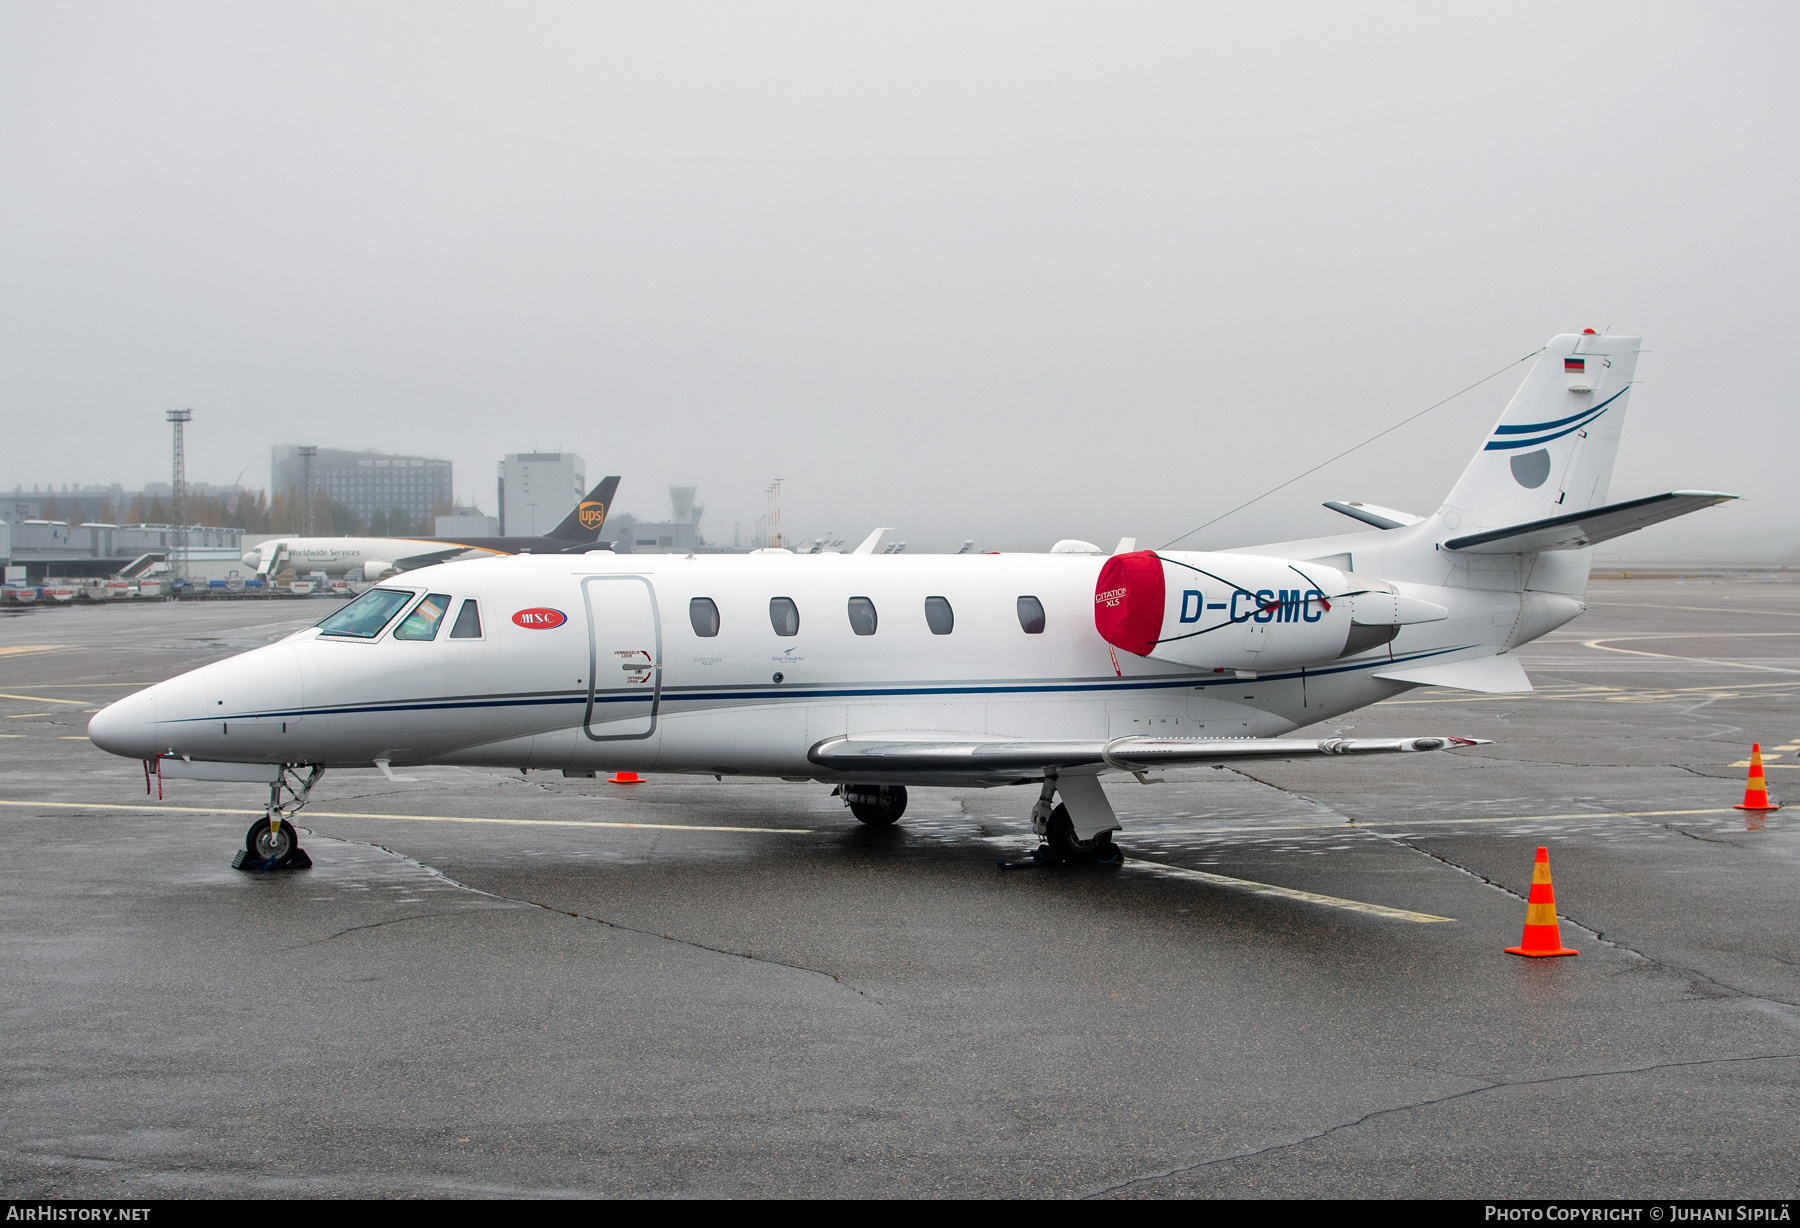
x=975, y=758
x=1575, y=530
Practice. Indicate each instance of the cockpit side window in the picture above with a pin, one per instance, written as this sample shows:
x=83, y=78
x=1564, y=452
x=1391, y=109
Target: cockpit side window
x=364, y=618
x=468, y=622
x=423, y=622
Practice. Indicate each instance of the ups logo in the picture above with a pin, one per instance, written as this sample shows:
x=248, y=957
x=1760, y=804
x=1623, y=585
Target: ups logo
x=592, y=515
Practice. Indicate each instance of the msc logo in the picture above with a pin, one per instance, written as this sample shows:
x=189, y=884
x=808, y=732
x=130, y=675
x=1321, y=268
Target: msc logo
x=540, y=619
x=591, y=515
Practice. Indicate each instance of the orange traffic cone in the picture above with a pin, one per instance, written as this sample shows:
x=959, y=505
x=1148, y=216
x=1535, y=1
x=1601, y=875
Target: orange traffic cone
x=625, y=778
x=1756, y=792
x=1541, y=934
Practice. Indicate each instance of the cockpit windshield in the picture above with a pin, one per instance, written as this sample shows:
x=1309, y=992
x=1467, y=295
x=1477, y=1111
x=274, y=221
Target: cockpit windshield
x=368, y=614
x=422, y=623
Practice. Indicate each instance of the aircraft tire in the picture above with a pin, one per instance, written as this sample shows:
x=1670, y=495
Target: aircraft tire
x=258, y=845
x=883, y=809
x=1063, y=842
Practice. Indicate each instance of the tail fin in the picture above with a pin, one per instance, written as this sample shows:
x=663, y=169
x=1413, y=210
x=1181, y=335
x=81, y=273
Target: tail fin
x=1552, y=451
x=584, y=523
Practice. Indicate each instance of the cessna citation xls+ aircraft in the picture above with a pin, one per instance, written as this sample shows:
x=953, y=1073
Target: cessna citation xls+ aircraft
x=877, y=672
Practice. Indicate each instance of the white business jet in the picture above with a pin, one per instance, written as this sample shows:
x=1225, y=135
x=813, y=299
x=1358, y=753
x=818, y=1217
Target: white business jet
x=876, y=673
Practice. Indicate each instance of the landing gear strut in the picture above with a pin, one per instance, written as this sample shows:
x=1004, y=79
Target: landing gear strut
x=876, y=805
x=1061, y=843
x=273, y=842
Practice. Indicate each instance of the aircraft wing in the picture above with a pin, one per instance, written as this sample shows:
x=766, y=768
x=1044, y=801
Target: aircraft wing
x=1574, y=530
x=980, y=758
x=410, y=561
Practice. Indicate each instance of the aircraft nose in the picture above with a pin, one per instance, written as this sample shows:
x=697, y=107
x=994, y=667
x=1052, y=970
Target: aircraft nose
x=127, y=727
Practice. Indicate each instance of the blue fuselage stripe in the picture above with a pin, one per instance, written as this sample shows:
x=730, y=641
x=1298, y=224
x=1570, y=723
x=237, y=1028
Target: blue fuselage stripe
x=766, y=694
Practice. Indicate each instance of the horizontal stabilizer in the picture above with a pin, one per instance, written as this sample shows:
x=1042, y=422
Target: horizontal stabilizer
x=1578, y=529
x=1499, y=675
x=942, y=756
x=1369, y=513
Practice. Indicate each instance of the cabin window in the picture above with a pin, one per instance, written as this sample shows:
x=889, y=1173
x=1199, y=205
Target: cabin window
x=784, y=616
x=423, y=622
x=1031, y=615
x=862, y=616
x=468, y=622
x=367, y=615
x=939, y=616
x=705, y=616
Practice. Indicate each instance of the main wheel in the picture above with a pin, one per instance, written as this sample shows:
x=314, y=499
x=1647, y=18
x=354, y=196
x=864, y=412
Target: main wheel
x=264, y=845
x=1065, y=844
x=876, y=805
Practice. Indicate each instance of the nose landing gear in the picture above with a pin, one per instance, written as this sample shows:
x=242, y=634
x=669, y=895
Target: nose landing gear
x=273, y=842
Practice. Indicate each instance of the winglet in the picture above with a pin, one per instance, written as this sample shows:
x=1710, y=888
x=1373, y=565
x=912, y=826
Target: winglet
x=872, y=540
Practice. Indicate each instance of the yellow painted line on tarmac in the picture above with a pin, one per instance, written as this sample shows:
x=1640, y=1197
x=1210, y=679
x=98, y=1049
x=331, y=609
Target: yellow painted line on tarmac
x=25, y=650
x=419, y=818
x=24, y=716
x=1286, y=893
x=70, y=737
x=11, y=735
x=39, y=699
x=1371, y=823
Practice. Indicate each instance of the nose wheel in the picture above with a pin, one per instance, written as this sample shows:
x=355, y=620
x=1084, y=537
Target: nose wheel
x=273, y=842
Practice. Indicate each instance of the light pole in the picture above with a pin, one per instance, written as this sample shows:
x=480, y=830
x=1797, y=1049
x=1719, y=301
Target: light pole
x=178, y=494
x=307, y=453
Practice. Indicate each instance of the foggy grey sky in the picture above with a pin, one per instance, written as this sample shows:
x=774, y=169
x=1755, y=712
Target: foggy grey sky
x=1010, y=272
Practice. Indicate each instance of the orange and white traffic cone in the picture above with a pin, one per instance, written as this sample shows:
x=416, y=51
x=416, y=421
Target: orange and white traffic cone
x=1756, y=792
x=625, y=778
x=1542, y=937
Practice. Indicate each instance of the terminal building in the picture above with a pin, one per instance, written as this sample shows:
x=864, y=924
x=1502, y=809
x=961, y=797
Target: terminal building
x=538, y=489
x=365, y=482
x=51, y=550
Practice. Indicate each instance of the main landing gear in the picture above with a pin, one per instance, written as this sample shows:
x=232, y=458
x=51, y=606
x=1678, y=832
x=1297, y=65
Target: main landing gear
x=876, y=805
x=273, y=842
x=1062, y=839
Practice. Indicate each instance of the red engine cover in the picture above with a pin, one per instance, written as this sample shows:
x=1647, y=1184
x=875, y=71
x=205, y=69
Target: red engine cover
x=1128, y=601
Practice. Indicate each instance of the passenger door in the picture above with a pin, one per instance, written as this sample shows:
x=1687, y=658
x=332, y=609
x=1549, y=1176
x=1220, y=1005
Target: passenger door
x=624, y=657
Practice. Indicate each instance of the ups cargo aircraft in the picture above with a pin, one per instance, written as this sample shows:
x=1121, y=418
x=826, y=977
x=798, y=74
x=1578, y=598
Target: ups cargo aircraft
x=875, y=673
x=374, y=557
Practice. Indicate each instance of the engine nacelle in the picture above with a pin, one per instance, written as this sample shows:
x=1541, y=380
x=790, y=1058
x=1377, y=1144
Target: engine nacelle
x=377, y=569
x=1245, y=611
